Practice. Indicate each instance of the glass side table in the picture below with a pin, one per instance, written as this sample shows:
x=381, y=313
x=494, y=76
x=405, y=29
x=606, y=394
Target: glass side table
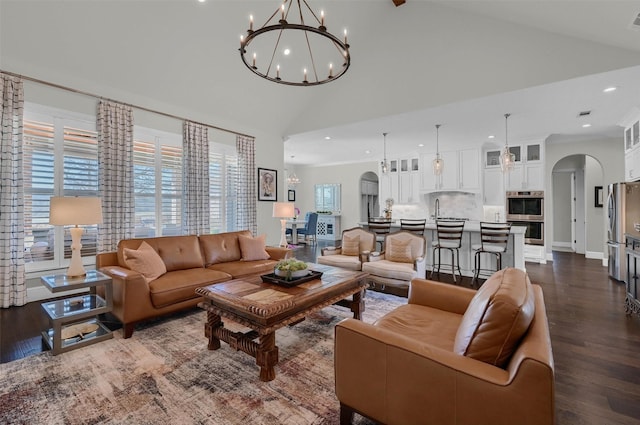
x=77, y=310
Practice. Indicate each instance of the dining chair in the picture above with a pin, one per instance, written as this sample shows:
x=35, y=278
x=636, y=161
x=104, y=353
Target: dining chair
x=310, y=230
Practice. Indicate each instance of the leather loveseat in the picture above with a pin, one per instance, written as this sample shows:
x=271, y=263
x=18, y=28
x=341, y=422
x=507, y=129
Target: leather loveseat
x=451, y=356
x=186, y=263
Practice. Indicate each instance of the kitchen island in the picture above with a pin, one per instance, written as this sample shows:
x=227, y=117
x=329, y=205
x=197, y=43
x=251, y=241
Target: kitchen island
x=513, y=257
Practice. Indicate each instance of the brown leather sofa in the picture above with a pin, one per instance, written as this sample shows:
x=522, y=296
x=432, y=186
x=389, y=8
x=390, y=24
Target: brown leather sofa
x=191, y=262
x=451, y=356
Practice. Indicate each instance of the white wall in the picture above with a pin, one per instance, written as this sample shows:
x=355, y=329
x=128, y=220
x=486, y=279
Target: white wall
x=348, y=176
x=609, y=153
x=561, y=209
x=595, y=223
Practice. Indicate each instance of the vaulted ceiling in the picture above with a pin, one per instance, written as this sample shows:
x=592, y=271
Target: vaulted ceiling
x=181, y=56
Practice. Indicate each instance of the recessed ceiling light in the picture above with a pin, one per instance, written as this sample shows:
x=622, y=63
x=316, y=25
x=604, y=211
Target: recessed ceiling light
x=492, y=137
x=367, y=151
x=586, y=125
x=327, y=138
x=421, y=145
x=610, y=89
x=202, y=1
x=286, y=52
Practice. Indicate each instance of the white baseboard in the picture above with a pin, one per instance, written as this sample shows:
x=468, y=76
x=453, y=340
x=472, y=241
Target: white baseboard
x=561, y=245
x=594, y=255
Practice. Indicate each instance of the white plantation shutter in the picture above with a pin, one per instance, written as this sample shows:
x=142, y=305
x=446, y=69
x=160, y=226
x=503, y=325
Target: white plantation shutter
x=144, y=188
x=80, y=178
x=157, y=175
x=171, y=188
x=223, y=182
x=60, y=159
x=38, y=172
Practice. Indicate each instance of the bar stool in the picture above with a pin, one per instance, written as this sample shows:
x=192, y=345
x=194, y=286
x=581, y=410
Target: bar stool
x=413, y=225
x=449, y=237
x=381, y=227
x=494, y=238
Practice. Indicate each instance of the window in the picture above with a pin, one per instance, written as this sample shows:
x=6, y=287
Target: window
x=60, y=158
x=157, y=175
x=223, y=187
x=327, y=197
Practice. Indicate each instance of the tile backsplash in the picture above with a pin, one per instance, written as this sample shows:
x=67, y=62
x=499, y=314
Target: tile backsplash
x=455, y=204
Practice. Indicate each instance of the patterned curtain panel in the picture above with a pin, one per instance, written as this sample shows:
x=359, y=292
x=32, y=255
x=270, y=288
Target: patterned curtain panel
x=247, y=182
x=115, y=159
x=13, y=288
x=195, y=179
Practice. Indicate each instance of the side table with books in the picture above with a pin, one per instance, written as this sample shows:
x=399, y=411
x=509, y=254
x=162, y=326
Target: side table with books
x=74, y=319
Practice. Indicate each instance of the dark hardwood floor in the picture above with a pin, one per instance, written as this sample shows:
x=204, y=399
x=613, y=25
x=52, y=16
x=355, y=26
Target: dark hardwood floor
x=596, y=347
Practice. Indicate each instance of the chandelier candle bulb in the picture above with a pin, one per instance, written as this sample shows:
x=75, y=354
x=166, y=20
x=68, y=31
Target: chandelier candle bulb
x=254, y=60
x=330, y=70
x=345, y=36
x=305, y=75
x=322, y=18
x=277, y=72
x=282, y=9
x=250, y=22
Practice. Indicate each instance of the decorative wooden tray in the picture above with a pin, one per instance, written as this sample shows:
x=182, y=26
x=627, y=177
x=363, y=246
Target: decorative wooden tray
x=277, y=280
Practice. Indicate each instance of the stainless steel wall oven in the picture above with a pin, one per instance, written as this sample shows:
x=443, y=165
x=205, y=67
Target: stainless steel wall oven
x=527, y=209
x=527, y=205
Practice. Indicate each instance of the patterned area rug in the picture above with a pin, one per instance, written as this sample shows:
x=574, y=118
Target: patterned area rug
x=165, y=374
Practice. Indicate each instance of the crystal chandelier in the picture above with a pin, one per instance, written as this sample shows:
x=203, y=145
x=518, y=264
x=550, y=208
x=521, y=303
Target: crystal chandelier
x=438, y=163
x=293, y=180
x=384, y=166
x=507, y=158
x=280, y=51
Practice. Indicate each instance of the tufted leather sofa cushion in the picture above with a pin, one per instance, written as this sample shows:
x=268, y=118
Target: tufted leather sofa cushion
x=177, y=252
x=222, y=247
x=497, y=318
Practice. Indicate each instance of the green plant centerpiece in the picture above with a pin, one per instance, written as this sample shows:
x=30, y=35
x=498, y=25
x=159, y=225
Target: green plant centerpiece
x=291, y=268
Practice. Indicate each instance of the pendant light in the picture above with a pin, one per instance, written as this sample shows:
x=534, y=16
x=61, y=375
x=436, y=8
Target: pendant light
x=438, y=163
x=384, y=166
x=507, y=158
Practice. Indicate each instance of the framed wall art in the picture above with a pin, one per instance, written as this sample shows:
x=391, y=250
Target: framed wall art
x=291, y=195
x=267, y=184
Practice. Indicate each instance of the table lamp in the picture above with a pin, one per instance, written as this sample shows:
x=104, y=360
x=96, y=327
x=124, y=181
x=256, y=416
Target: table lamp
x=73, y=210
x=283, y=211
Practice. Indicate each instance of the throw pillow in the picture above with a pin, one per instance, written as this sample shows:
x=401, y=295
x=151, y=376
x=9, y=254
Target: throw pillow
x=497, y=318
x=398, y=251
x=253, y=248
x=146, y=261
x=351, y=245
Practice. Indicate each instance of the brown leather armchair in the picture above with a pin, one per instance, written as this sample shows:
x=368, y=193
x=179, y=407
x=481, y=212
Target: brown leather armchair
x=451, y=356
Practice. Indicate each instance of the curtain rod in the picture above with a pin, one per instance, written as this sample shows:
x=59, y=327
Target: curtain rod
x=142, y=108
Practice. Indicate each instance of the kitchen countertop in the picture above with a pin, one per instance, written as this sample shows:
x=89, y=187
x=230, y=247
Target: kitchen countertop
x=469, y=226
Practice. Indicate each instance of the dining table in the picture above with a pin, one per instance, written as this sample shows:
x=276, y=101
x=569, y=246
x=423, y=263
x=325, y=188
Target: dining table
x=294, y=224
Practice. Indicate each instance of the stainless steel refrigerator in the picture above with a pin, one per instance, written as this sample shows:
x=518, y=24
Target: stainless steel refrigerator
x=623, y=204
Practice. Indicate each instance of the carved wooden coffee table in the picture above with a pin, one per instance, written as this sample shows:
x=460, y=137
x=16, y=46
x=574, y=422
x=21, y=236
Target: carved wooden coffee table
x=265, y=307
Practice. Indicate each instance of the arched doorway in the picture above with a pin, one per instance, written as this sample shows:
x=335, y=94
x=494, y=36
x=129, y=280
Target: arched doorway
x=369, y=204
x=578, y=220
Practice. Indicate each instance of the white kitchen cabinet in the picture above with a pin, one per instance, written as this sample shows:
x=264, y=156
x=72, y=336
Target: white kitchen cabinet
x=526, y=177
x=632, y=165
x=401, y=186
x=368, y=187
x=461, y=171
x=493, y=189
x=528, y=172
x=469, y=169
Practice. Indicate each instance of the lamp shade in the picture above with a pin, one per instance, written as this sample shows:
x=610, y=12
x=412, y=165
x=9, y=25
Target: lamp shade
x=74, y=210
x=283, y=209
